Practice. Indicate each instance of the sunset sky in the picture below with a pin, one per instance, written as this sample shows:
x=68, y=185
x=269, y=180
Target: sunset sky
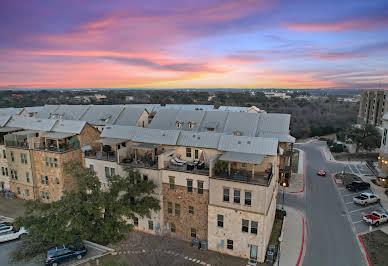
x=193, y=44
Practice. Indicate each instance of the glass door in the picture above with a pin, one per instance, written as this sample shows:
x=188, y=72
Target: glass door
x=253, y=252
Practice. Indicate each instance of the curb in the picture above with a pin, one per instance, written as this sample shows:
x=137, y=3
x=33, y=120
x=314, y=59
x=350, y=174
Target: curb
x=335, y=179
x=304, y=170
x=363, y=246
x=329, y=161
x=301, y=250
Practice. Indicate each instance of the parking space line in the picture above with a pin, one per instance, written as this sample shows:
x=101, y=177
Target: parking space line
x=351, y=194
x=349, y=202
x=358, y=222
x=361, y=209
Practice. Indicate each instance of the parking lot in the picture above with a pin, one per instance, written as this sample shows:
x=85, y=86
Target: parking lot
x=8, y=247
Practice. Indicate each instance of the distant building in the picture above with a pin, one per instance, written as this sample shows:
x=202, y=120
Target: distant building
x=372, y=107
x=129, y=98
x=281, y=95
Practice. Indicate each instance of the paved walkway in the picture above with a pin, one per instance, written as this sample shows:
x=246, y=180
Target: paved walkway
x=296, y=182
x=378, y=191
x=292, y=244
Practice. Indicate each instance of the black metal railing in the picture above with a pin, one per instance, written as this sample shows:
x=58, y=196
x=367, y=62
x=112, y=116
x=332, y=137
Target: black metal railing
x=18, y=144
x=61, y=148
x=101, y=155
x=143, y=163
x=261, y=178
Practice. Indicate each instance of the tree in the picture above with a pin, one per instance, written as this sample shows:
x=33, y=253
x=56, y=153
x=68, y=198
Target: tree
x=366, y=137
x=89, y=212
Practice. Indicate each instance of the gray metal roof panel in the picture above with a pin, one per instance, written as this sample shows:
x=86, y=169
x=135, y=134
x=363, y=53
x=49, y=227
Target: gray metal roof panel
x=199, y=139
x=69, y=126
x=57, y=135
x=46, y=111
x=149, y=107
x=102, y=114
x=190, y=106
x=69, y=112
x=164, y=119
x=112, y=141
x=157, y=136
x=233, y=108
x=273, y=123
x=246, y=123
x=4, y=119
x=255, y=145
x=32, y=123
x=119, y=132
x=213, y=119
x=242, y=157
x=33, y=109
x=8, y=129
x=129, y=116
x=10, y=111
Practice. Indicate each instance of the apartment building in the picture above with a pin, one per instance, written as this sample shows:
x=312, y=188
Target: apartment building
x=52, y=150
x=215, y=187
x=373, y=105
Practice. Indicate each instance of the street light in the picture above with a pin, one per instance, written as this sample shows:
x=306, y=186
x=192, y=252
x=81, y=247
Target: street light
x=284, y=184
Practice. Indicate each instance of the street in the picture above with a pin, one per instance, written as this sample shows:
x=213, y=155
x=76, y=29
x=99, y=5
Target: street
x=330, y=239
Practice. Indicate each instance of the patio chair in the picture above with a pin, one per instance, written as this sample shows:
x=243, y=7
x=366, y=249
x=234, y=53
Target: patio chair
x=174, y=162
x=179, y=160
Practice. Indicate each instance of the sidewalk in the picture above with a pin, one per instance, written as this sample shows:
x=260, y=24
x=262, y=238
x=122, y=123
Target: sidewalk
x=293, y=236
x=328, y=156
x=296, y=181
x=379, y=191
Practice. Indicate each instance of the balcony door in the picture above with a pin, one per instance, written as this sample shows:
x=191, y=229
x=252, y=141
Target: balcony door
x=253, y=253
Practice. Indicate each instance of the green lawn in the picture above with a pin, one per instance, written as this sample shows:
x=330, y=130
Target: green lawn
x=295, y=161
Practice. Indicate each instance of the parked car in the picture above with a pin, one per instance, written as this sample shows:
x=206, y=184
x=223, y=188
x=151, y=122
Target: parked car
x=321, y=173
x=5, y=228
x=375, y=218
x=358, y=186
x=366, y=198
x=61, y=254
x=12, y=234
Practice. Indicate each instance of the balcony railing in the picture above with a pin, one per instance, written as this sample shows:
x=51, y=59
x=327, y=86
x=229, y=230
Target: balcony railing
x=102, y=155
x=62, y=148
x=17, y=144
x=142, y=163
x=260, y=178
x=188, y=167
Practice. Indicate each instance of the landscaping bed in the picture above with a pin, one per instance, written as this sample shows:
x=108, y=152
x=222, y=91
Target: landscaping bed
x=347, y=178
x=360, y=156
x=376, y=244
x=277, y=230
x=295, y=161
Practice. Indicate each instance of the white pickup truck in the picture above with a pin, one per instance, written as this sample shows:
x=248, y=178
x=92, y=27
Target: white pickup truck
x=375, y=218
x=12, y=234
x=366, y=198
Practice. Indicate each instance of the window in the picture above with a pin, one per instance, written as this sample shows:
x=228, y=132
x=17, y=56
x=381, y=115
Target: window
x=229, y=244
x=27, y=193
x=191, y=124
x=112, y=171
x=145, y=177
x=169, y=207
x=46, y=179
x=16, y=174
x=150, y=225
x=245, y=226
x=254, y=226
x=136, y=221
x=248, y=198
x=55, y=162
x=193, y=232
x=3, y=170
x=28, y=177
x=106, y=171
x=91, y=167
x=188, y=152
x=200, y=187
x=178, y=124
x=236, y=196
x=226, y=194
x=4, y=154
x=220, y=220
x=23, y=158
x=57, y=181
x=191, y=210
x=51, y=162
x=18, y=188
x=190, y=185
x=173, y=228
x=43, y=195
x=12, y=157
x=47, y=161
x=196, y=152
x=41, y=179
x=177, y=209
x=171, y=181
x=47, y=195
x=385, y=136
x=6, y=171
x=243, y=165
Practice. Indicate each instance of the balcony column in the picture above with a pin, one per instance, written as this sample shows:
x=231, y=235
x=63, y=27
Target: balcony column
x=229, y=167
x=58, y=144
x=135, y=154
x=253, y=170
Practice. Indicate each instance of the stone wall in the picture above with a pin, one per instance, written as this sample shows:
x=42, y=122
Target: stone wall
x=88, y=136
x=4, y=179
x=185, y=221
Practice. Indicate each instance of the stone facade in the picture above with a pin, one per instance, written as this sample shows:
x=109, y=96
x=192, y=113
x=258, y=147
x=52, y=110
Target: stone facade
x=88, y=136
x=143, y=120
x=23, y=184
x=186, y=220
x=57, y=180
x=4, y=172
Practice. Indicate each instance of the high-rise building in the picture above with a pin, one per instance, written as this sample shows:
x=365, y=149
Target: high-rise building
x=373, y=104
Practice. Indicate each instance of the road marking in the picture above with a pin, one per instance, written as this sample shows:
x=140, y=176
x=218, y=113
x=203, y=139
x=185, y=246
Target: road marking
x=349, y=202
x=351, y=194
x=358, y=222
x=361, y=209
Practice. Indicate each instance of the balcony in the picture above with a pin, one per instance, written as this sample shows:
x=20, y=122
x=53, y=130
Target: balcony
x=61, y=148
x=17, y=144
x=140, y=162
x=260, y=178
x=195, y=167
x=101, y=155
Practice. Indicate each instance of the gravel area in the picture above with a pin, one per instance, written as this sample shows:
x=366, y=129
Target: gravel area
x=376, y=244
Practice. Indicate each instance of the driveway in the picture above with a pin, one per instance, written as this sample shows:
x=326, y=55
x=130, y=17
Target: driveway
x=330, y=239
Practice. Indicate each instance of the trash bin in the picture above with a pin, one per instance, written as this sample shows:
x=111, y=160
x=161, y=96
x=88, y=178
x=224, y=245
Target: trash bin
x=203, y=245
x=196, y=242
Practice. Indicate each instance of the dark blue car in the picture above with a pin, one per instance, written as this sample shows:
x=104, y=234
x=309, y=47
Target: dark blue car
x=62, y=254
